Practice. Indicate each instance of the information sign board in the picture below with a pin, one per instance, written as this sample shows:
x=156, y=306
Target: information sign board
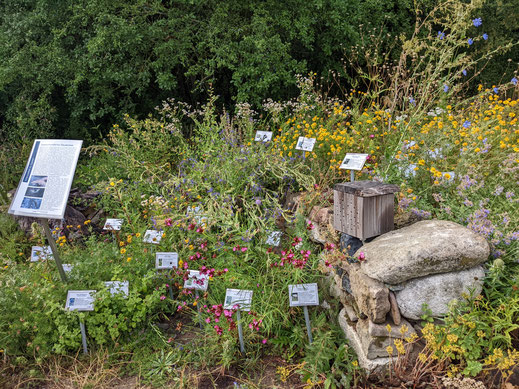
x=263, y=136
x=196, y=281
x=354, y=161
x=118, y=287
x=152, y=236
x=39, y=253
x=303, y=295
x=80, y=300
x=45, y=184
x=166, y=260
x=305, y=144
x=113, y=224
x=238, y=297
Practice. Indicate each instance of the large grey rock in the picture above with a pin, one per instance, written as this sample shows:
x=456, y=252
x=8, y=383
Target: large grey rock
x=424, y=248
x=371, y=296
x=437, y=291
x=375, y=338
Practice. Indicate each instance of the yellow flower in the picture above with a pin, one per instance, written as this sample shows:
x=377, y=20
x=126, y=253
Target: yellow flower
x=138, y=234
x=112, y=183
x=128, y=259
x=355, y=363
x=388, y=328
x=123, y=250
x=389, y=350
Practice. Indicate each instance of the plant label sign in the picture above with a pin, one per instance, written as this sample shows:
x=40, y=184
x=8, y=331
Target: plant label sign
x=67, y=267
x=303, y=295
x=39, y=253
x=45, y=184
x=113, y=224
x=196, y=281
x=274, y=238
x=152, y=236
x=80, y=300
x=354, y=161
x=263, y=136
x=305, y=144
x=118, y=287
x=238, y=298
x=166, y=260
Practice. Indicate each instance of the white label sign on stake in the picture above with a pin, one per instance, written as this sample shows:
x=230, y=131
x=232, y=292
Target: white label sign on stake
x=80, y=300
x=196, y=280
x=238, y=297
x=152, y=236
x=263, y=136
x=274, y=238
x=45, y=184
x=113, y=224
x=118, y=287
x=303, y=295
x=166, y=260
x=354, y=161
x=39, y=253
x=305, y=144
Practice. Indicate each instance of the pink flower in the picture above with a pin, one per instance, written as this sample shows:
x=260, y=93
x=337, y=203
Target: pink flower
x=243, y=249
x=264, y=341
x=362, y=257
x=208, y=320
x=163, y=297
x=168, y=222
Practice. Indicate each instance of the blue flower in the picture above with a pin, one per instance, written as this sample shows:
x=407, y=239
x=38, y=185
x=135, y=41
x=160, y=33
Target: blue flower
x=413, y=101
x=477, y=22
x=496, y=90
x=466, y=124
x=514, y=81
x=485, y=36
x=464, y=72
x=441, y=35
x=445, y=88
x=470, y=41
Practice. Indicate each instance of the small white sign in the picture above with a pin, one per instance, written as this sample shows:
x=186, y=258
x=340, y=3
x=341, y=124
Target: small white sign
x=238, y=297
x=274, y=238
x=118, y=287
x=354, y=161
x=39, y=253
x=305, y=144
x=152, y=236
x=67, y=267
x=263, y=136
x=113, y=224
x=80, y=300
x=303, y=295
x=196, y=280
x=165, y=260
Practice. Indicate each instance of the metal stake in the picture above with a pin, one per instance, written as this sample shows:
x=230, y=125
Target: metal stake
x=352, y=175
x=240, y=332
x=170, y=289
x=54, y=249
x=308, y=326
x=83, y=336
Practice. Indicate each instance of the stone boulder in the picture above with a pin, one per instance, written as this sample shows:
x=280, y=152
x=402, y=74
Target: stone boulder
x=438, y=291
x=424, y=248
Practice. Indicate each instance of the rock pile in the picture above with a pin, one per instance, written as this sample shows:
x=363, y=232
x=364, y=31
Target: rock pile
x=391, y=278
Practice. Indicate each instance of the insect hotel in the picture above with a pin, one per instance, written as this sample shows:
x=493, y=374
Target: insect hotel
x=364, y=209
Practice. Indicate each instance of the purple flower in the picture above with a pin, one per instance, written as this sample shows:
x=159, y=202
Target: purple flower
x=467, y=124
x=485, y=36
x=464, y=72
x=441, y=35
x=477, y=22
x=496, y=90
x=413, y=101
x=445, y=88
x=470, y=41
x=258, y=202
x=514, y=80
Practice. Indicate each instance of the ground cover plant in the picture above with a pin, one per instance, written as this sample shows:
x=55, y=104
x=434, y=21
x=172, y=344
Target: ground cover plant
x=215, y=196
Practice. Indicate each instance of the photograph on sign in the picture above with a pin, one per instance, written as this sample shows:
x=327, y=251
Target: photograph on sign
x=196, y=280
x=166, y=260
x=113, y=224
x=263, y=136
x=45, y=184
x=67, y=267
x=305, y=144
x=39, y=253
x=118, y=287
x=301, y=295
x=240, y=297
x=80, y=300
x=274, y=238
x=354, y=161
x=152, y=236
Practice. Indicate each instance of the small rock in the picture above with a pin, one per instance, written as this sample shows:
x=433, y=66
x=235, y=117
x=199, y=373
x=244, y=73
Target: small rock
x=395, y=312
x=349, y=243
